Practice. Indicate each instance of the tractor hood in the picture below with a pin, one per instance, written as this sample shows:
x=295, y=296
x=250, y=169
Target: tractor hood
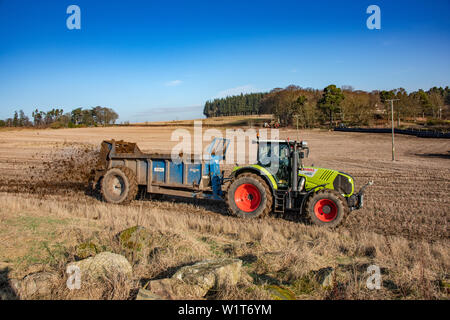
x=331, y=179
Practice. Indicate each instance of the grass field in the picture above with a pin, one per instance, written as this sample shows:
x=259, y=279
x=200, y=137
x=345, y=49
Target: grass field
x=403, y=228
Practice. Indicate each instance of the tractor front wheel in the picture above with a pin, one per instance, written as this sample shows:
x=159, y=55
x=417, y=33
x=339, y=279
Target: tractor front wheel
x=249, y=196
x=326, y=208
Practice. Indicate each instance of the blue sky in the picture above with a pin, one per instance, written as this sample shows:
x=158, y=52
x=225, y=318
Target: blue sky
x=162, y=60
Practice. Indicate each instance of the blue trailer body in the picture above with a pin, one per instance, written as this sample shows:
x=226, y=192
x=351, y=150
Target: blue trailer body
x=194, y=173
x=176, y=172
x=158, y=170
x=191, y=176
x=168, y=172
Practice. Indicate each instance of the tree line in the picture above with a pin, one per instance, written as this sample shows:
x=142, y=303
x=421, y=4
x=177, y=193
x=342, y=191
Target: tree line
x=333, y=105
x=56, y=118
x=235, y=105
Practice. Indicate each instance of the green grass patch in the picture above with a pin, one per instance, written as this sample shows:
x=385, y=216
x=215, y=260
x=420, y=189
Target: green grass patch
x=214, y=247
x=34, y=224
x=42, y=252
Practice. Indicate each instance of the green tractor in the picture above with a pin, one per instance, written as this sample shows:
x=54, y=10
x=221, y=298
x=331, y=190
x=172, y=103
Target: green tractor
x=279, y=182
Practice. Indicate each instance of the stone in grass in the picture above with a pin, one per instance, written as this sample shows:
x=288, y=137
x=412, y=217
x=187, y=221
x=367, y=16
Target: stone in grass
x=325, y=277
x=38, y=285
x=194, y=281
x=144, y=294
x=135, y=238
x=173, y=289
x=105, y=264
x=86, y=249
x=211, y=273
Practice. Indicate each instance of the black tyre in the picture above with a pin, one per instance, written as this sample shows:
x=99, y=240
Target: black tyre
x=326, y=208
x=119, y=185
x=249, y=196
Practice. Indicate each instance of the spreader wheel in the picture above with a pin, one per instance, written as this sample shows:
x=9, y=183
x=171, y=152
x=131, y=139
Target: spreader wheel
x=119, y=185
x=249, y=196
x=326, y=208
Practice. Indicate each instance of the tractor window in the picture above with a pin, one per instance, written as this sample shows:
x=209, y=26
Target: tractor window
x=283, y=170
x=284, y=154
x=264, y=154
x=279, y=164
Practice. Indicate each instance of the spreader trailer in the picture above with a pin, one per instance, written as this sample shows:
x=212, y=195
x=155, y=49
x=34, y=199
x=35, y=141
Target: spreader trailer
x=277, y=182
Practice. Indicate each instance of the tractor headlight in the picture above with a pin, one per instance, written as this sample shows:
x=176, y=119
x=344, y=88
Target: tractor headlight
x=343, y=184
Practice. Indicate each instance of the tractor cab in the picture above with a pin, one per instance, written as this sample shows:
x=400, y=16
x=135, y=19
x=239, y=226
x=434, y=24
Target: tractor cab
x=280, y=157
x=275, y=157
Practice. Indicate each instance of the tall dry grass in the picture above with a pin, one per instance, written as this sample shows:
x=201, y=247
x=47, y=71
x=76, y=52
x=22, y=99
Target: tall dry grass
x=274, y=251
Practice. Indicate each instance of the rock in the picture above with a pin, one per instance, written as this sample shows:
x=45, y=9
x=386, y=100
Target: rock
x=194, y=281
x=211, y=273
x=147, y=295
x=38, y=284
x=280, y=293
x=86, y=249
x=105, y=264
x=325, y=276
x=15, y=284
x=174, y=289
x=134, y=238
x=148, y=245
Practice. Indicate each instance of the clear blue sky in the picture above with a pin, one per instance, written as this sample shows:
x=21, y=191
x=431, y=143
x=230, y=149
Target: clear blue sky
x=162, y=60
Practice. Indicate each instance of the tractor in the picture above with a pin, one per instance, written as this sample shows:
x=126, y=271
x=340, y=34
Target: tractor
x=277, y=182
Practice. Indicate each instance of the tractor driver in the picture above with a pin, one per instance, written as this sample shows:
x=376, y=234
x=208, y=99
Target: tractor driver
x=283, y=171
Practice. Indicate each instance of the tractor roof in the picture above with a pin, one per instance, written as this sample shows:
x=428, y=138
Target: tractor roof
x=303, y=143
x=279, y=141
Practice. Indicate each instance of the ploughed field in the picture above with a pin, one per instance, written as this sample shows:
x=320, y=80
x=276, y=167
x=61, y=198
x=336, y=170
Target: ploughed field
x=410, y=197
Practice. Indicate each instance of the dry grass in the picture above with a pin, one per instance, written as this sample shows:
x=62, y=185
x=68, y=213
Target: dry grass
x=274, y=251
x=403, y=228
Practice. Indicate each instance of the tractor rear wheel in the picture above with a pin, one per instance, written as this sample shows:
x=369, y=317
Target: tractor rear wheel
x=326, y=208
x=119, y=185
x=249, y=196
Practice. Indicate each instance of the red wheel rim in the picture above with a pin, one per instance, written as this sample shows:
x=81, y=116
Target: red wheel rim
x=247, y=197
x=325, y=210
